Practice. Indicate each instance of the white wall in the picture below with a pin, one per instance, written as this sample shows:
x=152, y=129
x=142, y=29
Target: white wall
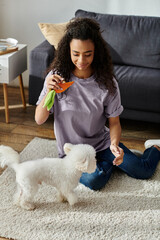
x=19, y=18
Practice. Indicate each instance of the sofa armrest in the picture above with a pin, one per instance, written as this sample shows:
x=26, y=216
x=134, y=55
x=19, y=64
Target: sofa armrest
x=39, y=59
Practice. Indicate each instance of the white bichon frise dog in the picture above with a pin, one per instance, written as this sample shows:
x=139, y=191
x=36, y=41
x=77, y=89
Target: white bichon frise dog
x=62, y=173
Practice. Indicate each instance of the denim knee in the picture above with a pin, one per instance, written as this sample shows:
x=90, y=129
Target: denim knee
x=91, y=182
x=97, y=180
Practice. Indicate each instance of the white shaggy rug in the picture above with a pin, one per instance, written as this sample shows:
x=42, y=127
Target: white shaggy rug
x=127, y=209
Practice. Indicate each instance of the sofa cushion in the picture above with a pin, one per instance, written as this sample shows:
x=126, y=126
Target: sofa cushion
x=133, y=40
x=139, y=87
x=53, y=32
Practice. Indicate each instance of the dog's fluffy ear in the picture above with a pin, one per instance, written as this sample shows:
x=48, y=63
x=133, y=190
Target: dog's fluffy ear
x=67, y=147
x=82, y=166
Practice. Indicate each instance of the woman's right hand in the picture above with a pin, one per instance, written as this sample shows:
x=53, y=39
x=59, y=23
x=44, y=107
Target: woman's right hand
x=52, y=82
x=41, y=113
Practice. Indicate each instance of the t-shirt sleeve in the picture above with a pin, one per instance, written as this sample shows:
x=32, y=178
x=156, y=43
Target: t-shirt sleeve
x=113, y=107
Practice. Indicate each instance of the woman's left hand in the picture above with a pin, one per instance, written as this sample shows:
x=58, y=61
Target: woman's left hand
x=118, y=153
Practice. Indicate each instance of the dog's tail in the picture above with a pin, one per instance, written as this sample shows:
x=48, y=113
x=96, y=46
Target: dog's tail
x=8, y=157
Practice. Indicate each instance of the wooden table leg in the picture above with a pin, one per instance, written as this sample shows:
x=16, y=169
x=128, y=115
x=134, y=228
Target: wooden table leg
x=22, y=90
x=5, y=93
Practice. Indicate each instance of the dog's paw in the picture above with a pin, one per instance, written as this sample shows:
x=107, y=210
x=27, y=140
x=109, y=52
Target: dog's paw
x=27, y=206
x=61, y=198
x=72, y=199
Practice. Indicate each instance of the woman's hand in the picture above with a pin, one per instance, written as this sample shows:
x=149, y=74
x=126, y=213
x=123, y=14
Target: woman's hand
x=41, y=113
x=118, y=153
x=52, y=82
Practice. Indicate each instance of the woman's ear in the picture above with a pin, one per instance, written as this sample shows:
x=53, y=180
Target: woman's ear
x=67, y=147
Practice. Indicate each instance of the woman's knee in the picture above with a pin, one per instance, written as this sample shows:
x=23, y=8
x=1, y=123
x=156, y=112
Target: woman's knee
x=93, y=184
x=95, y=181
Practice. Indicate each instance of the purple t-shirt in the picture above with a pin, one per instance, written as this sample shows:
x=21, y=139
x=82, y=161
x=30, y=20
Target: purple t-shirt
x=80, y=113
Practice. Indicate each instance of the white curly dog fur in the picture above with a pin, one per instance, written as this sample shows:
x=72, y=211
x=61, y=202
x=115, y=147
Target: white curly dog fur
x=62, y=173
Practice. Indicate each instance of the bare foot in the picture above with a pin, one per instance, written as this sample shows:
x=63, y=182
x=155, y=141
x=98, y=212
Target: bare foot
x=157, y=147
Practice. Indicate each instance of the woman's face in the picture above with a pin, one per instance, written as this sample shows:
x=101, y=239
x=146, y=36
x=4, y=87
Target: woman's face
x=82, y=54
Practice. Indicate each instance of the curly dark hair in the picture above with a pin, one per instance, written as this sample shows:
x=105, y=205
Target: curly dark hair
x=84, y=29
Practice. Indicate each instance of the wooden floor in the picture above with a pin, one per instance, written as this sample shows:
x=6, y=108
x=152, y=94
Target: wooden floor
x=22, y=127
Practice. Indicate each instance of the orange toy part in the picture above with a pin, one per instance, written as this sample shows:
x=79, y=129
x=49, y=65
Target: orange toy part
x=64, y=86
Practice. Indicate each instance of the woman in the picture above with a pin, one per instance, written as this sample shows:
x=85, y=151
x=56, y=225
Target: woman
x=81, y=112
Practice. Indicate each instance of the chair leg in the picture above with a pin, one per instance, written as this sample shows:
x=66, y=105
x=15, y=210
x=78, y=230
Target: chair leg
x=5, y=93
x=22, y=90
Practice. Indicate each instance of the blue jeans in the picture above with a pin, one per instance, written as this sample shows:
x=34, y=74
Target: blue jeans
x=137, y=167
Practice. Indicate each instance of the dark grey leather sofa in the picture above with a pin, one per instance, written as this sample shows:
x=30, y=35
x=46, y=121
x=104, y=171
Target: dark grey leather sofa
x=134, y=43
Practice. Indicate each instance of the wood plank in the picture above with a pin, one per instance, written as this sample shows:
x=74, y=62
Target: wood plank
x=1, y=238
x=16, y=138
x=137, y=144
x=39, y=131
x=7, y=127
x=16, y=141
x=141, y=134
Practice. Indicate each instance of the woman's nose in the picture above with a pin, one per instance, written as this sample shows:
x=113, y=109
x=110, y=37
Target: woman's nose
x=81, y=59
